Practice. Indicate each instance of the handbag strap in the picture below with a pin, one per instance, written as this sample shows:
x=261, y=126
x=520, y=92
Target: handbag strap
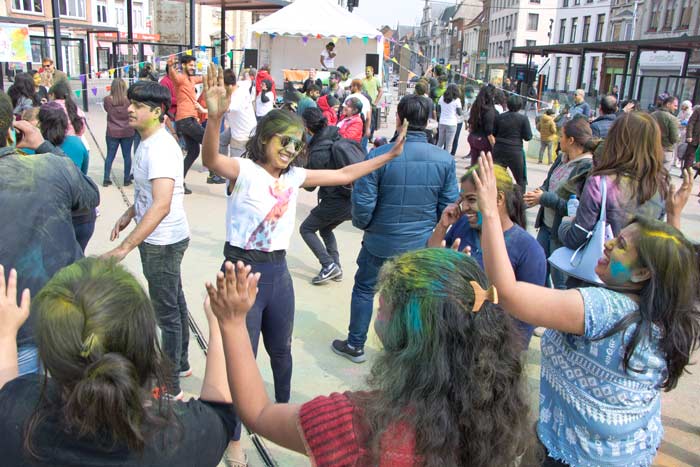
x=604, y=198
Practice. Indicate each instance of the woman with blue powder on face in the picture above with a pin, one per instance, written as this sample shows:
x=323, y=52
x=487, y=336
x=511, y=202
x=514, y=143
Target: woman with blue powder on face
x=460, y=228
x=609, y=351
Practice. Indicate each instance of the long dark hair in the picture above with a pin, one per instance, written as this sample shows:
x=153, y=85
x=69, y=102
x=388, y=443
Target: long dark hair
x=450, y=371
x=53, y=123
x=484, y=101
x=22, y=87
x=274, y=123
x=61, y=90
x=97, y=338
x=668, y=300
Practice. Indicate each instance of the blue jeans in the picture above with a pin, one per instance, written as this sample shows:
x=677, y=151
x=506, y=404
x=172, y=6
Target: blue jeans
x=112, y=146
x=161, y=266
x=28, y=360
x=362, y=302
x=83, y=233
x=549, y=244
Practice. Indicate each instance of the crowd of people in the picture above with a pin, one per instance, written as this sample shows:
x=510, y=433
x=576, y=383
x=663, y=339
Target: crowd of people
x=86, y=380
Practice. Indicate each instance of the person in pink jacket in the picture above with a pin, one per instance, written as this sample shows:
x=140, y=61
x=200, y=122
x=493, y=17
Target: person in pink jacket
x=351, y=125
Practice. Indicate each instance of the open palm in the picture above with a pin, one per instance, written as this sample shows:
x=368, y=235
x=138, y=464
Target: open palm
x=217, y=94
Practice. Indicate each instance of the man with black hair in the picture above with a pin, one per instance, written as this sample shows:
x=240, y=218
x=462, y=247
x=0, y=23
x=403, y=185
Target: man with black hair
x=334, y=87
x=328, y=55
x=345, y=78
x=162, y=232
x=397, y=206
x=187, y=111
x=607, y=115
x=37, y=195
x=308, y=100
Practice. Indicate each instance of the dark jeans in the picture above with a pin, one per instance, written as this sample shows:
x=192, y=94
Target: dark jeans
x=193, y=133
x=329, y=214
x=161, y=266
x=549, y=244
x=112, y=145
x=455, y=141
x=375, y=122
x=83, y=233
x=689, y=156
x=362, y=302
x=273, y=316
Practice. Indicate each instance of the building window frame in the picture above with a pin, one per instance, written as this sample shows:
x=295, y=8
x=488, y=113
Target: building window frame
x=686, y=14
x=533, y=21
x=586, y=28
x=600, y=27
x=562, y=31
x=72, y=9
x=574, y=27
x=18, y=7
x=101, y=13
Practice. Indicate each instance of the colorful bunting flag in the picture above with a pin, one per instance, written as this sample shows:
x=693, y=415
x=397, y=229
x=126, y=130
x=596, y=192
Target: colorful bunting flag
x=215, y=60
x=349, y=39
x=318, y=36
x=230, y=54
x=405, y=46
x=188, y=52
x=334, y=40
x=393, y=59
x=449, y=66
x=365, y=40
x=203, y=48
x=77, y=92
x=379, y=38
x=199, y=65
x=273, y=35
x=231, y=38
x=94, y=91
x=126, y=68
x=304, y=39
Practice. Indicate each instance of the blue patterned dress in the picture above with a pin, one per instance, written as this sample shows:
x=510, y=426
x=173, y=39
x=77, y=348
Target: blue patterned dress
x=592, y=412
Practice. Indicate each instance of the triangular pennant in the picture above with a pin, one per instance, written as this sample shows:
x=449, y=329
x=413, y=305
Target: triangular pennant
x=449, y=66
x=77, y=92
x=334, y=40
x=203, y=48
x=126, y=68
x=405, y=46
x=318, y=36
x=230, y=54
x=215, y=60
x=199, y=65
x=156, y=60
x=393, y=59
x=305, y=39
x=82, y=79
x=217, y=43
x=365, y=40
x=108, y=88
x=188, y=52
x=273, y=35
x=99, y=74
x=94, y=91
x=349, y=39
x=411, y=74
x=141, y=66
x=379, y=38
x=231, y=38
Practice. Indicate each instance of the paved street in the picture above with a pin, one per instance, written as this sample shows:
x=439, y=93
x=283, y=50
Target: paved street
x=322, y=312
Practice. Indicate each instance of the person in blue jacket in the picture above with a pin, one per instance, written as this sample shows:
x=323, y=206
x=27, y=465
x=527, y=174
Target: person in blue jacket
x=397, y=206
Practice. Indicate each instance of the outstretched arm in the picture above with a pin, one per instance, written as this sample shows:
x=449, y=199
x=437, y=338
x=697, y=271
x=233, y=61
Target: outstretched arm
x=218, y=100
x=231, y=299
x=540, y=306
x=350, y=173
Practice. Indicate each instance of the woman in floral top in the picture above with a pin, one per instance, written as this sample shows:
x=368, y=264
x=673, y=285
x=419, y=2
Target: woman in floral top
x=608, y=351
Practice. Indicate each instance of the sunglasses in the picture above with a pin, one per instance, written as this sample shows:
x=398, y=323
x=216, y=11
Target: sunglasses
x=285, y=141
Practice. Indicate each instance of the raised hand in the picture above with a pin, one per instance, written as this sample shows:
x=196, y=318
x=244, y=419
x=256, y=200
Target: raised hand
x=486, y=188
x=532, y=198
x=397, y=150
x=235, y=292
x=676, y=200
x=12, y=316
x=217, y=94
x=451, y=214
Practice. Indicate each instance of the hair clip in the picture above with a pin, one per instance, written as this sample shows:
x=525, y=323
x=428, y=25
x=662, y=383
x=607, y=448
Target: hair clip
x=481, y=295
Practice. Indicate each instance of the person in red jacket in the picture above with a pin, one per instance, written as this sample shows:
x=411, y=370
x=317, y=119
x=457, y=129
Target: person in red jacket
x=351, y=124
x=263, y=74
x=329, y=106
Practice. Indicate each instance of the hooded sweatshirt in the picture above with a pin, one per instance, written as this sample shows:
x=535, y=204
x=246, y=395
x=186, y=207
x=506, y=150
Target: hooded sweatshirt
x=263, y=74
x=327, y=110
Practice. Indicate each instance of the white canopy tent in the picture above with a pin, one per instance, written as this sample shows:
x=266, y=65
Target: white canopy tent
x=293, y=38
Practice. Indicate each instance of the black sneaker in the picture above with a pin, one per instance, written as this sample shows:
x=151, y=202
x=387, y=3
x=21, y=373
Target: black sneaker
x=127, y=182
x=215, y=179
x=329, y=272
x=187, y=190
x=344, y=350
x=339, y=277
x=107, y=183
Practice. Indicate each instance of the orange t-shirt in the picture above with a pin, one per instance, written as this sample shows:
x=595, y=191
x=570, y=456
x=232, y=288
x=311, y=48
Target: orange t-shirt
x=186, y=95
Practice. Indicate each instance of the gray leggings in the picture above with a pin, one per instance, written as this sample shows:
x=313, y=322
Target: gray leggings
x=446, y=135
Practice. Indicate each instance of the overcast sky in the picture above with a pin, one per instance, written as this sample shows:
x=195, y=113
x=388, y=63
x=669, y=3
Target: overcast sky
x=381, y=12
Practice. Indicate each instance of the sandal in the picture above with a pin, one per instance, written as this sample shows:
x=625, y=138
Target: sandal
x=233, y=462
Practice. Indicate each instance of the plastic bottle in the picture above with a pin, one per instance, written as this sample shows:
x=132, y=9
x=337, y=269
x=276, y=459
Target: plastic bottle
x=572, y=206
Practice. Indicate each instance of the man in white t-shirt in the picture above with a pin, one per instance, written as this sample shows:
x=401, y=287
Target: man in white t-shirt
x=328, y=57
x=161, y=232
x=356, y=90
x=240, y=117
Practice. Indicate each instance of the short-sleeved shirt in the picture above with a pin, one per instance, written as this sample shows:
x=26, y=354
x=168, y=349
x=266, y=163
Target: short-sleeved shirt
x=592, y=411
x=524, y=252
x=328, y=61
x=335, y=434
x=371, y=87
x=448, y=111
x=241, y=115
x=261, y=209
x=159, y=156
x=207, y=428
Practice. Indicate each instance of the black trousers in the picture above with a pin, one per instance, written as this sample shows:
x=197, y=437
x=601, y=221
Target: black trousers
x=329, y=214
x=193, y=134
x=512, y=158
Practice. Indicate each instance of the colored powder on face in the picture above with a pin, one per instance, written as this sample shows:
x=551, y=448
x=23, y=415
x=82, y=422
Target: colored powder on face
x=620, y=271
x=479, y=218
x=663, y=235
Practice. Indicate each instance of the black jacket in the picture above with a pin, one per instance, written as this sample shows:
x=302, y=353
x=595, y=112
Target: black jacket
x=320, y=157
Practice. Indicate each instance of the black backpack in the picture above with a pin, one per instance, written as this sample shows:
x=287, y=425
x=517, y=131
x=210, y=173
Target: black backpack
x=345, y=152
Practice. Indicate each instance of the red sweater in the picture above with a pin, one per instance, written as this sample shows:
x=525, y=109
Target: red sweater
x=336, y=434
x=351, y=128
x=328, y=112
